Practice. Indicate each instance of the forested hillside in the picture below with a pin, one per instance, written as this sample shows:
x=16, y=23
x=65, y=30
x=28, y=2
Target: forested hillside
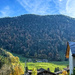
x=37, y=36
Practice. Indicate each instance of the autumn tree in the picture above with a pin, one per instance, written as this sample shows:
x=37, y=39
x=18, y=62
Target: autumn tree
x=34, y=71
x=64, y=72
x=16, y=70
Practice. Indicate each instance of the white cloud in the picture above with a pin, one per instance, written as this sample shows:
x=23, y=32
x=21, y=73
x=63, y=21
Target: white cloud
x=60, y=0
x=37, y=6
x=43, y=7
x=67, y=7
x=5, y=12
x=70, y=8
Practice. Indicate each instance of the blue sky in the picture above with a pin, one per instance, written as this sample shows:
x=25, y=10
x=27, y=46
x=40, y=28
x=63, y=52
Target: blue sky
x=11, y=8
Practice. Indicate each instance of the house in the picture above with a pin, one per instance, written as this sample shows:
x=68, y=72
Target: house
x=29, y=60
x=60, y=72
x=45, y=72
x=44, y=60
x=42, y=71
x=70, y=53
x=39, y=61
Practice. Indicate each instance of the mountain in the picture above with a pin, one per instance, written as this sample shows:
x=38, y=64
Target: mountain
x=37, y=36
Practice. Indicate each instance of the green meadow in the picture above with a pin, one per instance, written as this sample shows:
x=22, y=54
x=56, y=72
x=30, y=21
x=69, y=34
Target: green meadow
x=51, y=65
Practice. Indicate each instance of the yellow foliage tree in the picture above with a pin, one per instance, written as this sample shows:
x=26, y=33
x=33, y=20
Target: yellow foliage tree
x=64, y=72
x=21, y=70
x=16, y=70
x=14, y=59
x=34, y=71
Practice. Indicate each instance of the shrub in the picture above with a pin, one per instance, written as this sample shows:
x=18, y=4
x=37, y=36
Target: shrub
x=56, y=69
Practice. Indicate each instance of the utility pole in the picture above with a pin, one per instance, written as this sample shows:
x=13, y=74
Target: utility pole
x=26, y=69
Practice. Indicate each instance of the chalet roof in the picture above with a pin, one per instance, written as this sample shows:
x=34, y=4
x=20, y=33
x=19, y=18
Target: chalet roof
x=46, y=72
x=70, y=45
x=41, y=69
x=60, y=72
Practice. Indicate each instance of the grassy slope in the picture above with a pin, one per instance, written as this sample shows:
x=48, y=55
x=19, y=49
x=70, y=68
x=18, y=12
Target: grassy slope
x=52, y=65
x=45, y=65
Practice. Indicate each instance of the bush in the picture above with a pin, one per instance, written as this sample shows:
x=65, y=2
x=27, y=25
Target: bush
x=56, y=69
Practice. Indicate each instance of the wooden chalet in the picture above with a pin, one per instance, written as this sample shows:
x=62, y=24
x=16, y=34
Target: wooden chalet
x=45, y=72
x=42, y=71
x=70, y=53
